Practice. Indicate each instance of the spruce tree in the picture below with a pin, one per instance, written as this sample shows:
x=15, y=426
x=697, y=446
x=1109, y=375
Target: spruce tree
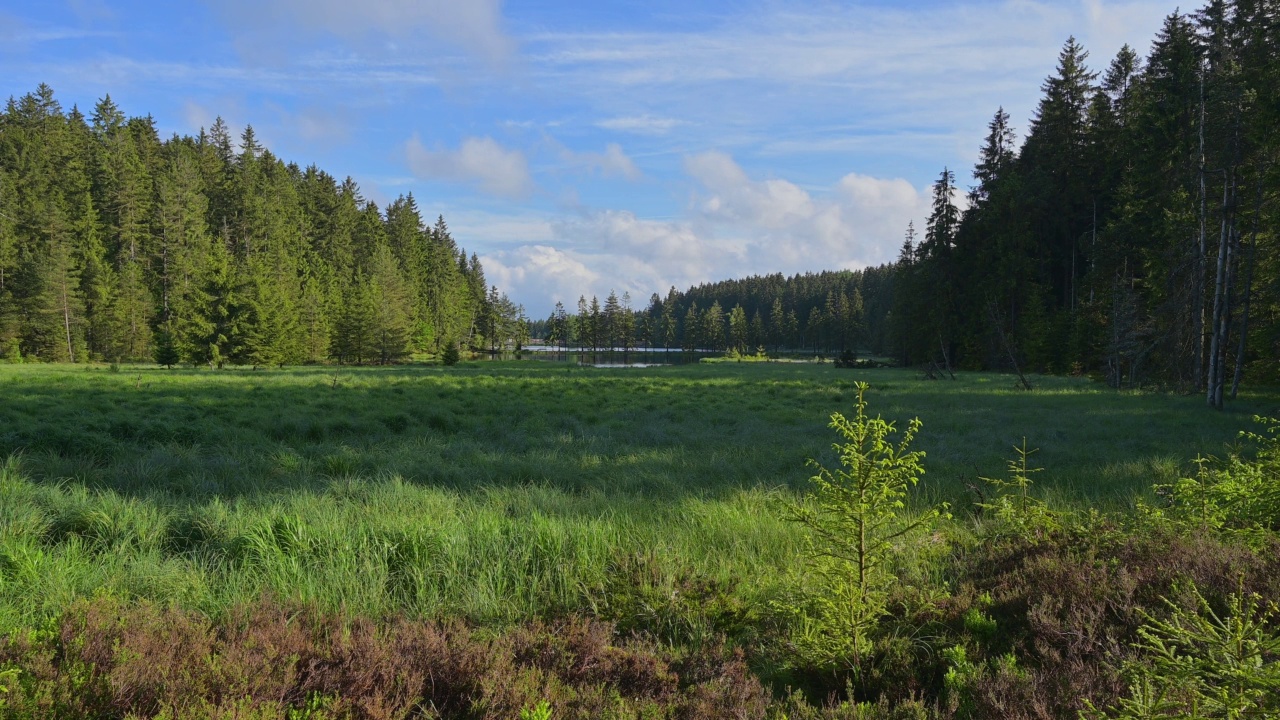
x=392, y=308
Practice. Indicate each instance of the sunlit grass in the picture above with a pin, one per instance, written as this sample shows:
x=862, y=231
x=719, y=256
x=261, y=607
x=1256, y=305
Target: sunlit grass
x=497, y=491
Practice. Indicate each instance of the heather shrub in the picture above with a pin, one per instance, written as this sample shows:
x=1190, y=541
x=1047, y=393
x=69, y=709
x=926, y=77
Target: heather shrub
x=107, y=658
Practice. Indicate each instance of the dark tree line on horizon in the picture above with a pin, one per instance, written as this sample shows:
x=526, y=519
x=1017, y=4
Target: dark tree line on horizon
x=822, y=313
x=118, y=246
x=1131, y=236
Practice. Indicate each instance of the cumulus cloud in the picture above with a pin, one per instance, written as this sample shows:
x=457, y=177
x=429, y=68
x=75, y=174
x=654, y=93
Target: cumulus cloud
x=784, y=227
x=772, y=204
x=538, y=275
x=261, y=26
x=495, y=169
x=735, y=225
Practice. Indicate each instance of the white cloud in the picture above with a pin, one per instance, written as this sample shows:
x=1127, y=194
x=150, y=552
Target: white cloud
x=784, y=228
x=882, y=84
x=641, y=124
x=613, y=162
x=495, y=169
x=771, y=204
x=736, y=225
x=538, y=274
x=475, y=26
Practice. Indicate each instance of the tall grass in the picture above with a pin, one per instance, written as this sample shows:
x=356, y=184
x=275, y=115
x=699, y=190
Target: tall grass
x=496, y=492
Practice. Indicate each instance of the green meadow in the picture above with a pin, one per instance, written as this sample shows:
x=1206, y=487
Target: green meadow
x=500, y=492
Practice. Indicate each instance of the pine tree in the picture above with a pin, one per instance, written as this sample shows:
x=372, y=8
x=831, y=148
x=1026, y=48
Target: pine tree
x=713, y=327
x=166, y=347
x=626, y=325
x=777, y=325
x=611, y=319
x=57, y=309
x=353, y=339
x=270, y=328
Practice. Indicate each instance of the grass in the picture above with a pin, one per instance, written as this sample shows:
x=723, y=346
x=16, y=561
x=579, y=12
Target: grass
x=496, y=491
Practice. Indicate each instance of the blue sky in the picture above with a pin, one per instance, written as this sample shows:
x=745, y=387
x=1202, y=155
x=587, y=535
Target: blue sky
x=582, y=147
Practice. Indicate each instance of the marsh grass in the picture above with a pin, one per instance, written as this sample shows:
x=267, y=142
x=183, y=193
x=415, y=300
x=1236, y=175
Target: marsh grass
x=498, y=491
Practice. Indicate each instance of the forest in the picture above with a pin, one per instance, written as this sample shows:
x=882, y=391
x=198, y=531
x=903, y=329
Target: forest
x=1132, y=236
x=117, y=246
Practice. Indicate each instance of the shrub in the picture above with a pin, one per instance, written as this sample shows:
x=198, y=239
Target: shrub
x=855, y=523
x=1014, y=507
x=1239, y=495
x=847, y=359
x=1203, y=663
x=112, y=658
x=450, y=356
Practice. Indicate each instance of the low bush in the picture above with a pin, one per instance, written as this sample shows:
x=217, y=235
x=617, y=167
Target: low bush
x=107, y=658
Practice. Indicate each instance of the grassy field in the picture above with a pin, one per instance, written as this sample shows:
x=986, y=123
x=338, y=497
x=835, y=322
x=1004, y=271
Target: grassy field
x=496, y=491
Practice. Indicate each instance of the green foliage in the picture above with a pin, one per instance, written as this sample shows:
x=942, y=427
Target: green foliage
x=856, y=524
x=108, y=234
x=166, y=348
x=541, y=711
x=514, y=493
x=1206, y=663
x=736, y=355
x=1239, y=494
x=1014, y=508
x=450, y=356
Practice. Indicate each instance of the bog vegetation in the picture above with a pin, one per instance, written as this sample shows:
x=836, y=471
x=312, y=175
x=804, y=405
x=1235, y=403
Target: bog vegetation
x=477, y=540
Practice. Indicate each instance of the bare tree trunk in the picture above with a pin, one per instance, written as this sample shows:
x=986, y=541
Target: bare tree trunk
x=1004, y=340
x=1248, y=286
x=66, y=319
x=1219, y=305
x=1233, y=243
x=1197, y=309
x=945, y=358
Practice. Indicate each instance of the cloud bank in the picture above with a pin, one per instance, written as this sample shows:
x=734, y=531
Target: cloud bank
x=733, y=225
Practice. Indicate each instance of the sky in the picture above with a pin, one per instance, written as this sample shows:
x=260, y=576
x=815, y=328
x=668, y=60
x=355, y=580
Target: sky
x=579, y=148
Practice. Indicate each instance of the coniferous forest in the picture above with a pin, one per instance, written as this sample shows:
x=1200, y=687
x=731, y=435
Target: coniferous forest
x=1131, y=236
x=118, y=246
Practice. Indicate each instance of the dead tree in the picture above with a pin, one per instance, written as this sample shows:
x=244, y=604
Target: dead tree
x=1008, y=346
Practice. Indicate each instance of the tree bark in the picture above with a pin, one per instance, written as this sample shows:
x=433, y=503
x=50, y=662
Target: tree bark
x=1197, y=311
x=1248, y=287
x=1219, y=305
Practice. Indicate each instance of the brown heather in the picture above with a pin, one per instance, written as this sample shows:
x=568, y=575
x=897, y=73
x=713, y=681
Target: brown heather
x=273, y=660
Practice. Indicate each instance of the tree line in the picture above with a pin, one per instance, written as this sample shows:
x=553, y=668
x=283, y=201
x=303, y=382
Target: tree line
x=1132, y=235
x=118, y=246
x=822, y=313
